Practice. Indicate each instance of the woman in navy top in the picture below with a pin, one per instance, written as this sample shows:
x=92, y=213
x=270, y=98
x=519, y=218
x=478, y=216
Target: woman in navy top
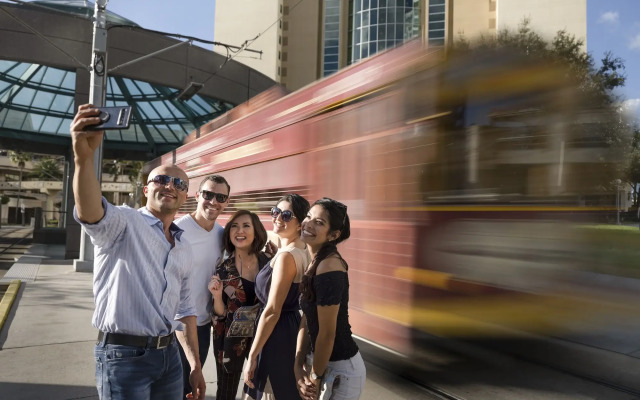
x=269, y=369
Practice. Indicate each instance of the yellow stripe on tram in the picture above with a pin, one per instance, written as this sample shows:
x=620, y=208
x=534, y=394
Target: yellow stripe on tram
x=434, y=279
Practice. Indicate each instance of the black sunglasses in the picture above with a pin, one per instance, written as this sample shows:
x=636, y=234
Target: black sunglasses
x=220, y=198
x=287, y=215
x=178, y=183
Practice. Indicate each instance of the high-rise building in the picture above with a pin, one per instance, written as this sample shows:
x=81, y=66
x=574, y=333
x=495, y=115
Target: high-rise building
x=305, y=40
x=286, y=31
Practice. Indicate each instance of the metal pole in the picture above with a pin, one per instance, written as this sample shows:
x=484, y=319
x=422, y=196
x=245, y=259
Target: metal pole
x=97, y=92
x=618, y=201
x=19, y=190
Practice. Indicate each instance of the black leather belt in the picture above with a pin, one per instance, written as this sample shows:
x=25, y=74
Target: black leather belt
x=152, y=342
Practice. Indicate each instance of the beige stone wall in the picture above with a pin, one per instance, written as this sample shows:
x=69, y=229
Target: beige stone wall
x=301, y=52
x=547, y=17
x=240, y=20
x=473, y=18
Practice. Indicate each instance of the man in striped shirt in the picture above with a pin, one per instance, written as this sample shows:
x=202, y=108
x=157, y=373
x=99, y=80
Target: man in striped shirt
x=141, y=279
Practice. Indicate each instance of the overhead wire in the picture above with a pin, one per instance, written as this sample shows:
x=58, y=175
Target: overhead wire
x=248, y=42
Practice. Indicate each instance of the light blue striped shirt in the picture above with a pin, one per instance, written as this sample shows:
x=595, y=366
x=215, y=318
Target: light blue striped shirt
x=140, y=283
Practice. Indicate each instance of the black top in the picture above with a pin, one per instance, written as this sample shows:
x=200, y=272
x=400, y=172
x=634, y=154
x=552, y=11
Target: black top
x=331, y=288
x=249, y=290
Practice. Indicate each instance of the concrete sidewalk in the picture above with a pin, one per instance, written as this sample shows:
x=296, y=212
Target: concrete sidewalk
x=47, y=341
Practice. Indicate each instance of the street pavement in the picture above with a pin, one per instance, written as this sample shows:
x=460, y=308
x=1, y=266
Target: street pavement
x=47, y=341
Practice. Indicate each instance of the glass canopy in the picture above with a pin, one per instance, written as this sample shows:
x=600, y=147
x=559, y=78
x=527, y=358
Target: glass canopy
x=40, y=99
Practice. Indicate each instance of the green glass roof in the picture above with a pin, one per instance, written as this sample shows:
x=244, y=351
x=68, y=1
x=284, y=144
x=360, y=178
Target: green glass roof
x=40, y=99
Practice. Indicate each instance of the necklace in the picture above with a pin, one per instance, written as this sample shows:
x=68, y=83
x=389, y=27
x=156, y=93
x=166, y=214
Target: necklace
x=251, y=267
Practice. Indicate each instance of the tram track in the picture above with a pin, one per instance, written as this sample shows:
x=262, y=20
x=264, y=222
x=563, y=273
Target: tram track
x=471, y=372
x=11, y=241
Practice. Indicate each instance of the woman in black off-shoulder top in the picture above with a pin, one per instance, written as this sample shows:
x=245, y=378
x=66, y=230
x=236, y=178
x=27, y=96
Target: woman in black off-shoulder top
x=328, y=363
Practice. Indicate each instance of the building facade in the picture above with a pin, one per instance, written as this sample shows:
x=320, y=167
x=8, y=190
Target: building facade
x=304, y=41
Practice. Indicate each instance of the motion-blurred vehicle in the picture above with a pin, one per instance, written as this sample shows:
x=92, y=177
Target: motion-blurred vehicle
x=467, y=180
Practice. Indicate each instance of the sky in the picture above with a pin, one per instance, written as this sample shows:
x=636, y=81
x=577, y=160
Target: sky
x=185, y=17
x=612, y=25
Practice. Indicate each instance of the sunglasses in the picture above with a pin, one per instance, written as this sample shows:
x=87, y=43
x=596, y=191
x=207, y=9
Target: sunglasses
x=287, y=215
x=178, y=183
x=220, y=198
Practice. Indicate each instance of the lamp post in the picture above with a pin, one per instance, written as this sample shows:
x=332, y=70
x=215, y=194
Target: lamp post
x=618, y=201
x=97, y=91
x=21, y=166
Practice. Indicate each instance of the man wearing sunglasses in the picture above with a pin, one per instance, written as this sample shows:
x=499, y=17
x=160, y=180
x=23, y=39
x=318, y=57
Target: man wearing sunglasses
x=141, y=279
x=205, y=236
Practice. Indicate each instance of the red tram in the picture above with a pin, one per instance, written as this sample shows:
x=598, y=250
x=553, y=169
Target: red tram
x=458, y=175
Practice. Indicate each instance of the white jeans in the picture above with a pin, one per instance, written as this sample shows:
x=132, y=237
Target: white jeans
x=348, y=378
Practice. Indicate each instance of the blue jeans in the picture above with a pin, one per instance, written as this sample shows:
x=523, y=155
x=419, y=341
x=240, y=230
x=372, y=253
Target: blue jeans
x=138, y=373
x=204, y=340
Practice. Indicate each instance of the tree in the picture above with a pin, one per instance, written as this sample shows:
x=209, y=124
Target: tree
x=633, y=171
x=132, y=169
x=47, y=169
x=596, y=84
x=20, y=159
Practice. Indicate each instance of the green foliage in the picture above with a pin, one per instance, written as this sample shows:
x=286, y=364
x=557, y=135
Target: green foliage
x=4, y=199
x=611, y=249
x=596, y=85
x=19, y=158
x=47, y=169
x=566, y=50
x=132, y=169
x=633, y=168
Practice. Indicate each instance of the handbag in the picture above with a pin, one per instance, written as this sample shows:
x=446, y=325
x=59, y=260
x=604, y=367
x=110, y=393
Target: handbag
x=244, y=321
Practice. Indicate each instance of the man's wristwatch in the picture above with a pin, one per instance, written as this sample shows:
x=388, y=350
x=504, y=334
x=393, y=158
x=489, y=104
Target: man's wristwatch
x=316, y=377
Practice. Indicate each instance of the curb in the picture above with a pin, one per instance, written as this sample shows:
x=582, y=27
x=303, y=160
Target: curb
x=7, y=300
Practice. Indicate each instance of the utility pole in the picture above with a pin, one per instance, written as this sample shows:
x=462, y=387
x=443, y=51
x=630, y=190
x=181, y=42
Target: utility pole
x=97, y=92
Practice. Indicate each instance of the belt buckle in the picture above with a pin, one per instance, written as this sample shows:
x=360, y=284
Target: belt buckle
x=163, y=341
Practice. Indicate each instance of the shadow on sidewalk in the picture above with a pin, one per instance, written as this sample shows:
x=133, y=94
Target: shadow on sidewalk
x=47, y=391
x=7, y=323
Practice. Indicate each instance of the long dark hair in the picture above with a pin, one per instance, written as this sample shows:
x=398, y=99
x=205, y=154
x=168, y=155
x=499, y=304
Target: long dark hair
x=338, y=221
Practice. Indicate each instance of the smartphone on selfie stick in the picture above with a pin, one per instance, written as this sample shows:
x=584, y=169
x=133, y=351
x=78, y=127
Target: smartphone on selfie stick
x=112, y=118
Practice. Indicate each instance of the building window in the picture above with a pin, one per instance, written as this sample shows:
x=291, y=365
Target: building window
x=331, y=38
x=380, y=24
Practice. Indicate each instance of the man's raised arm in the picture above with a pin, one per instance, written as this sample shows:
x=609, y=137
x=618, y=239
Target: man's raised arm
x=86, y=188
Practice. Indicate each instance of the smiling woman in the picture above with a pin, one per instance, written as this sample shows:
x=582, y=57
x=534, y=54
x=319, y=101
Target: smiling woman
x=269, y=370
x=233, y=287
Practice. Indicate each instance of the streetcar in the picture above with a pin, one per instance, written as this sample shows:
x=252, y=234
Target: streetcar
x=465, y=179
